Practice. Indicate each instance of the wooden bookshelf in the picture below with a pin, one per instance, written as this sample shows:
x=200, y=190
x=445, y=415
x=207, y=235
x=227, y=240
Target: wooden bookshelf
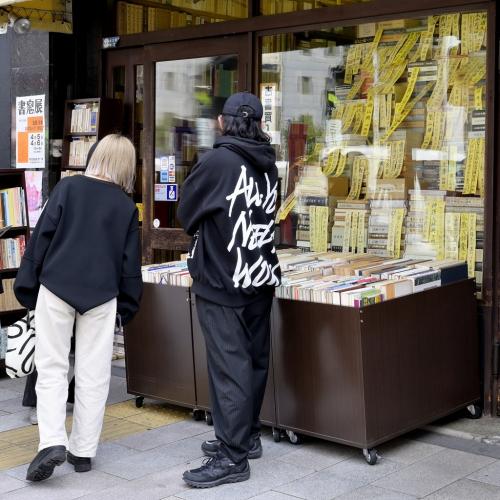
x=104, y=117
x=12, y=178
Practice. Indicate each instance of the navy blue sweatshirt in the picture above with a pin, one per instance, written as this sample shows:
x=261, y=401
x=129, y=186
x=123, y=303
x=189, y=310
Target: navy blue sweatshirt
x=85, y=248
x=227, y=204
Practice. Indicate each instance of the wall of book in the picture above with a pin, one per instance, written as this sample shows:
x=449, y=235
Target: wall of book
x=380, y=137
x=139, y=17
x=269, y=7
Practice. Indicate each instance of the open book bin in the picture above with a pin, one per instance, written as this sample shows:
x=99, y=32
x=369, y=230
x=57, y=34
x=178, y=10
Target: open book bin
x=364, y=376
x=354, y=376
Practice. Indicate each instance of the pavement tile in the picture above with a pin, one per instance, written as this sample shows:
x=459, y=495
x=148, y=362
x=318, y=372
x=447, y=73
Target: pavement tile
x=14, y=420
x=163, y=435
x=2, y=413
x=14, y=405
x=322, y=485
x=9, y=483
x=489, y=474
x=373, y=492
x=110, y=452
x=20, y=471
x=13, y=384
x=157, y=416
x=148, y=462
x=273, y=495
x=357, y=468
x=151, y=487
x=465, y=489
x=407, y=452
x=65, y=487
x=318, y=455
x=123, y=409
x=433, y=473
x=6, y=394
x=271, y=449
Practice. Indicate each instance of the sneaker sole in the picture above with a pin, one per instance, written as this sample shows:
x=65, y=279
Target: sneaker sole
x=79, y=467
x=45, y=470
x=251, y=455
x=233, y=478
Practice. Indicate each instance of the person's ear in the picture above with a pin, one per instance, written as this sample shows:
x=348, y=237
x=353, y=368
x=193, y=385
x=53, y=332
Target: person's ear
x=220, y=120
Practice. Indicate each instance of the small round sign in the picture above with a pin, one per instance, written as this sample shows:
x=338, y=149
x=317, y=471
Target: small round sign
x=156, y=223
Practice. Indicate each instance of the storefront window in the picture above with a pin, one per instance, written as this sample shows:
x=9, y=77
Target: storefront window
x=137, y=17
x=380, y=136
x=190, y=94
x=269, y=7
x=139, y=132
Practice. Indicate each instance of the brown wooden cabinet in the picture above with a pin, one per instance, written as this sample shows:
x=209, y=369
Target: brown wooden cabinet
x=354, y=376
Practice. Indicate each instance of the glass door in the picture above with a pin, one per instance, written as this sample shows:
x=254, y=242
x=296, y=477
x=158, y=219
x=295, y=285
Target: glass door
x=189, y=84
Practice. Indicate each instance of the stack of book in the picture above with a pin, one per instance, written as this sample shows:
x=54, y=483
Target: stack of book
x=69, y=173
x=171, y=273
x=79, y=149
x=465, y=232
x=423, y=235
x=350, y=226
x=386, y=228
x=11, y=252
x=8, y=301
x=360, y=280
x=311, y=191
x=84, y=118
x=12, y=207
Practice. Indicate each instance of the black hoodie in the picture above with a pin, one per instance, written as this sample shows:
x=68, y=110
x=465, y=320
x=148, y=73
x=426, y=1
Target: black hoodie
x=228, y=204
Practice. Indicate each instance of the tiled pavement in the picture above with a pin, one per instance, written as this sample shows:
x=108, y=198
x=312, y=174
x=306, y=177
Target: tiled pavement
x=144, y=453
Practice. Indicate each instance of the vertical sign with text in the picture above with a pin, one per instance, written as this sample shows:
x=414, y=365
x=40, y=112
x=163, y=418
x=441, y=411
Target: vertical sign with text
x=30, y=131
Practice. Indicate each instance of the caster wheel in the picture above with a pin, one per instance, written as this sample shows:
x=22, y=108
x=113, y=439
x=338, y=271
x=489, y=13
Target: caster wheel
x=294, y=438
x=276, y=435
x=474, y=411
x=371, y=455
x=208, y=418
x=139, y=402
x=198, y=415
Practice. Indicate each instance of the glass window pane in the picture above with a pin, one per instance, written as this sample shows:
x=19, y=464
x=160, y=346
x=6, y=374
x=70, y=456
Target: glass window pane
x=135, y=18
x=384, y=124
x=139, y=132
x=189, y=97
x=270, y=7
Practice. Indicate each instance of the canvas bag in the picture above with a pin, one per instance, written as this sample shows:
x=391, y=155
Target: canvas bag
x=20, y=355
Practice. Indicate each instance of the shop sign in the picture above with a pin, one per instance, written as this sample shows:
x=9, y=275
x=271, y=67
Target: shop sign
x=164, y=176
x=30, y=131
x=269, y=99
x=110, y=42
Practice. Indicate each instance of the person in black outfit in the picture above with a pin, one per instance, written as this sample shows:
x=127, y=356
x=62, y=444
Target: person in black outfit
x=81, y=267
x=228, y=204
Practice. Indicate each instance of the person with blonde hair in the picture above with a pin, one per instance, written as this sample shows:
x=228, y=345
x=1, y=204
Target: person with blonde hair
x=81, y=267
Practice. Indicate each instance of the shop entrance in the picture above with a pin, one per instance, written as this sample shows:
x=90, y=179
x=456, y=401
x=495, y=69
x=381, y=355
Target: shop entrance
x=186, y=85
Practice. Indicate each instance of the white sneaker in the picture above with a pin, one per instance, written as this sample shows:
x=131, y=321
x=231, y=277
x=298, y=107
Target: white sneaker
x=33, y=417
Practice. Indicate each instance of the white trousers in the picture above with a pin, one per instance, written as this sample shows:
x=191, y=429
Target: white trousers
x=54, y=320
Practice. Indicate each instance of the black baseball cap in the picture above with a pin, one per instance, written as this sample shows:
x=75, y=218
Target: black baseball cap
x=243, y=104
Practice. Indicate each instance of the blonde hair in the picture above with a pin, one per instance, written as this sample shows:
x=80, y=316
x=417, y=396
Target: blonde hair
x=114, y=159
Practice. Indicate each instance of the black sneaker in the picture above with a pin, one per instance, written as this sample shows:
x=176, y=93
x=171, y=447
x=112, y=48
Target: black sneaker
x=81, y=464
x=216, y=471
x=44, y=463
x=210, y=448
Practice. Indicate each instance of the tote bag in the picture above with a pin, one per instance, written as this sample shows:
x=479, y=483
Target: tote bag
x=20, y=355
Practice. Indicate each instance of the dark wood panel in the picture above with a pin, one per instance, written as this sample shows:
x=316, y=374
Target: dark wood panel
x=159, y=349
x=268, y=413
x=420, y=358
x=318, y=370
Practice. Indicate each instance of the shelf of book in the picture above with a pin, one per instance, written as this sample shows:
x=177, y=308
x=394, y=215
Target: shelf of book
x=85, y=122
x=14, y=235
